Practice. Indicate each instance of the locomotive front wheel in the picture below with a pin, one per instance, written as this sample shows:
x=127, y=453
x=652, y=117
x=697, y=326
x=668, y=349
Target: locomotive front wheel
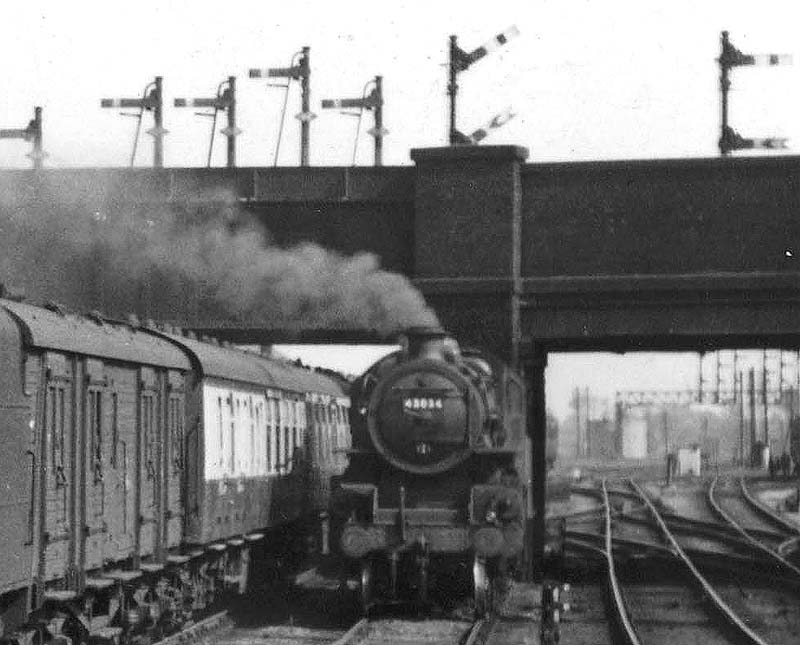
x=365, y=587
x=482, y=586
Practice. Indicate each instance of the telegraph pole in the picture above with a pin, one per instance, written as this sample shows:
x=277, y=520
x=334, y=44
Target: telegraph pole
x=764, y=396
x=576, y=398
x=740, y=386
x=587, y=411
x=700, y=377
x=752, y=392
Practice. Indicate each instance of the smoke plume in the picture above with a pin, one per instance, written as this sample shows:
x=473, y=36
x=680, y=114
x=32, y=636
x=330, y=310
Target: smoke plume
x=188, y=264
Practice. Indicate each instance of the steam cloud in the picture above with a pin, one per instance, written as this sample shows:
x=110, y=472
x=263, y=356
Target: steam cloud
x=189, y=264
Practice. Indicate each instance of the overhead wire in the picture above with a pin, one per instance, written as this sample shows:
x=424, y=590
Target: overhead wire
x=139, y=122
x=283, y=110
x=214, y=124
x=360, y=116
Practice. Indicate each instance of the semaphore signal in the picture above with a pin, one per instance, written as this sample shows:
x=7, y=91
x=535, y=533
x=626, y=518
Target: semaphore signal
x=372, y=101
x=225, y=101
x=151, y=100
x=298, y=70
x=33, y=133
x=729, y=58
x=460, y=61
x=497, y=121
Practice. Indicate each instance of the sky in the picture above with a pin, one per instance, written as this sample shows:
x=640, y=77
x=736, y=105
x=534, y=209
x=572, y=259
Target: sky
x=587, y=80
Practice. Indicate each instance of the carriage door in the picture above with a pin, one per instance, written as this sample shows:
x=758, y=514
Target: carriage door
x=119, y=462
x=96, y=463
x=176, y=458
x=148, y=460
x=58, y=475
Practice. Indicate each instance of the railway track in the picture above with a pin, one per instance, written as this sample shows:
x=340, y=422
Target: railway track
x=374, y=631
x=731, y=502
x=205, y=630
x=652, y=614
x=751, y=608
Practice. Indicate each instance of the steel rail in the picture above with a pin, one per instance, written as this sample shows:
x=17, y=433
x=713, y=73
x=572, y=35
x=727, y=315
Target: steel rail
x=480, y=631
x=639, y=548
x=198, y=630
x=353, y=634
x=727, y=613
x=623, y=619
x=767, y=511
x=789, y=545
x=722, y=534
x=675, y=519
x=718, y=510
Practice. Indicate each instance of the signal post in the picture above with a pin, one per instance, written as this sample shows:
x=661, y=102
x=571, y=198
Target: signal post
x=151, y=101
x=225, y=101
x=33, y=133
x=730, y=57
x=372, y=101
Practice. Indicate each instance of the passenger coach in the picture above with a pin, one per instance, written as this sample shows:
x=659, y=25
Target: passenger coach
x=138, y=467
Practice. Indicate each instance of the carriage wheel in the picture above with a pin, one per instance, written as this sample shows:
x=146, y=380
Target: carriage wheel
x=482, y=586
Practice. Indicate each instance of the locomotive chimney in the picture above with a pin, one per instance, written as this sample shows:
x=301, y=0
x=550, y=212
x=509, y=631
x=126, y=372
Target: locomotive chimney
x=429, y=342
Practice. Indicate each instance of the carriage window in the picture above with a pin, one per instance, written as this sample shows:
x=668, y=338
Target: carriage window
x=348, y=441
x=326, y=415
x=114, y=428
x=287, y=450
x=232, y=455
x=55, y=431
x=278, y=454
x=221, y=429
x=176, y=433
x=148, y=434
x=249, y=406
x=323, y=439
x=96, y=433
x=270, y=441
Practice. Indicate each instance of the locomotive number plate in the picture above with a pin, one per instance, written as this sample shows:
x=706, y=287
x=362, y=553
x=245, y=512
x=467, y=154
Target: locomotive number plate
x=419, y=403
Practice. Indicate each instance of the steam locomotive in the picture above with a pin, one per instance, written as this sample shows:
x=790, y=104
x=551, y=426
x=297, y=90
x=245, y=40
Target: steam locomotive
x=437, y=475
x=141, y=469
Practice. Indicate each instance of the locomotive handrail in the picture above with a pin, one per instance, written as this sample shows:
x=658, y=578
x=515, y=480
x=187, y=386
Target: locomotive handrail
x=32, y=505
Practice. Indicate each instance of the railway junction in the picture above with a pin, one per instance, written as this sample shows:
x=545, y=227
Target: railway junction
x=692, y=255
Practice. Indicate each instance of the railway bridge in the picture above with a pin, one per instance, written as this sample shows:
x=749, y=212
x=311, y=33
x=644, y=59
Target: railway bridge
x=522, y=258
